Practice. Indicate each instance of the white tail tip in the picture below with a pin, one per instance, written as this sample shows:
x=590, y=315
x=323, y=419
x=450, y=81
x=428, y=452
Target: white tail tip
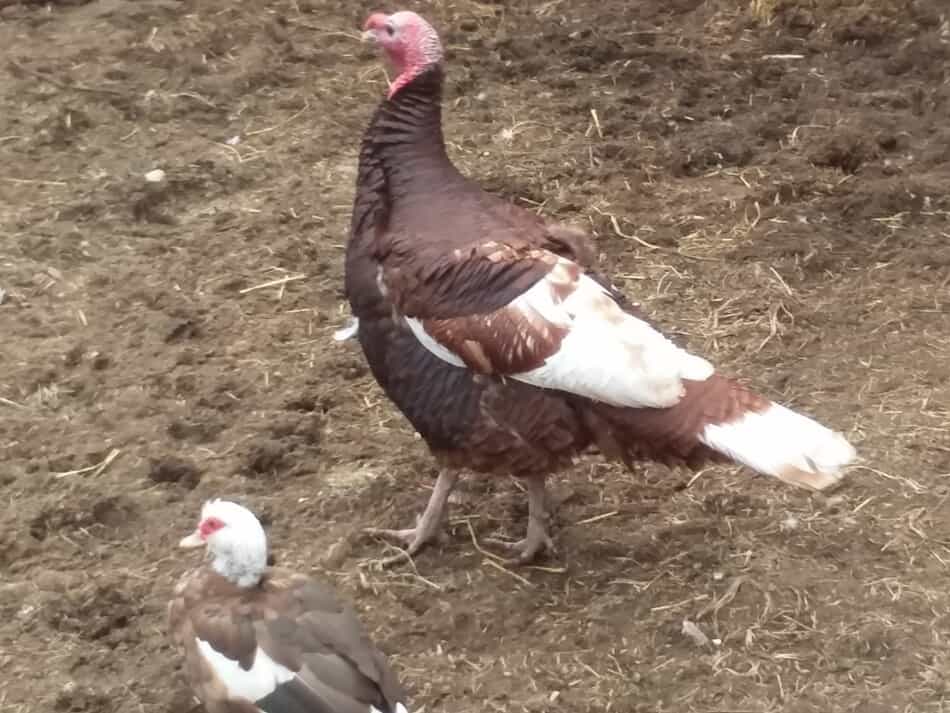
x=784, y=444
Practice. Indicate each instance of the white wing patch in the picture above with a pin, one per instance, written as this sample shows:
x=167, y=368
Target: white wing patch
x=263, y=677
x=607, y=355
x=432, y=345
x=350, y=330
x=400, y=708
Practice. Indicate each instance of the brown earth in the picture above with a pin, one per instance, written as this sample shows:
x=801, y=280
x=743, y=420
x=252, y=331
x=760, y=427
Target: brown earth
x=799, y=208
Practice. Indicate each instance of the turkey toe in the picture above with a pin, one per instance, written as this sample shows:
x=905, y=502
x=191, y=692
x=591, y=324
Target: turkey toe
x=428, y=525
x=410, y=536
x=528, y=549
x=415, y=538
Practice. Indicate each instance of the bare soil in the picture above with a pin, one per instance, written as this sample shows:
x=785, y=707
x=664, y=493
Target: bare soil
x=772, y=180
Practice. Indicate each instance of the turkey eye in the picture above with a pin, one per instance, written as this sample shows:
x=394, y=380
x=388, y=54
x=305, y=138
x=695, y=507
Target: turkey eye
x=390, y=30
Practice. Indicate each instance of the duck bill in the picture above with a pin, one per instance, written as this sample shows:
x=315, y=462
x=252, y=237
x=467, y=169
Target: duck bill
x=192, y=541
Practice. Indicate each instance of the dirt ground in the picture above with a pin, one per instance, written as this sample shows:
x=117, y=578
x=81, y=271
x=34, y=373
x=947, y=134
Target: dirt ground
x=770, y=179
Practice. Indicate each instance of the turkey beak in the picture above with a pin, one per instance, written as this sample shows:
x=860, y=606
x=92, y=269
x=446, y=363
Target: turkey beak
x=368, y=36
x=192, y=541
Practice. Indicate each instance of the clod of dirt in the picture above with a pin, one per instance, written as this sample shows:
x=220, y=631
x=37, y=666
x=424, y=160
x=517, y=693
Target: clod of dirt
x=14, y=545
x=170, y=469
x=796, y=20
x=266, y=457
x=352, y=369
x=184, y=329
x=226, y=396
x=877, y=199
x=721, y=147
x=892, y=141
x=730, y=504
x=73, y=356
x=304, y=430
x=99, y=611
x=926, y=54
x=61, y=128
x=100, y=361
x=186, y=384
x=845, y=149
x=591, y=56
x=302, y=403
x=337, y=553
x=78, y=699
x=861, y=27
x=110, y=512
x=873, y=641
x=151, y=195
x=195, y=431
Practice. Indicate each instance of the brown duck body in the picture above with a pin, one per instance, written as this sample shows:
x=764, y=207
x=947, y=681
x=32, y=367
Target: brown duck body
x=285, y=645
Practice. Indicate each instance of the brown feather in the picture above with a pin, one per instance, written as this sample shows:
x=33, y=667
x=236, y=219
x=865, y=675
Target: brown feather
x=671, y=435
x=506, y=341
x=297, y=621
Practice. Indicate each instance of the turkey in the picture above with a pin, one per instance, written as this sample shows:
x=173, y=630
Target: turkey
x=259, y=640
x=494, y=333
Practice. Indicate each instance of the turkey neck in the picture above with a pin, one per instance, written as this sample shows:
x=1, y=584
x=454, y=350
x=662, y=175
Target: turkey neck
x=407, y=140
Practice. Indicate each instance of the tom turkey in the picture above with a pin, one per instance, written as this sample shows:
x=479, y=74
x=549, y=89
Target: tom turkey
x=261, y=640
x=494, y=333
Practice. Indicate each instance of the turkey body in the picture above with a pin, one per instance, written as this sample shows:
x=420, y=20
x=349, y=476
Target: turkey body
x=433, y=265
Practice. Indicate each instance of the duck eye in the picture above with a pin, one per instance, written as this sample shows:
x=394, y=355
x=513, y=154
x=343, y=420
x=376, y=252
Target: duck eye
x=209, y=526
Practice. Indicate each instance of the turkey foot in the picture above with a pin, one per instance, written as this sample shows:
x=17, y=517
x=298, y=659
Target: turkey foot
x=428, y=525
x=537, y=539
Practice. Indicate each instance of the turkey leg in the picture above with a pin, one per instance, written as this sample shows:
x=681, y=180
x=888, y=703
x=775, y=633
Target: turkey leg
x=428, y=525
x=537, y=538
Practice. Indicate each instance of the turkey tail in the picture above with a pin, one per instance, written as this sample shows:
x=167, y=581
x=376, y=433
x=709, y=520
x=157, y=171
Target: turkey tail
x=720, y=418
x=777, y=441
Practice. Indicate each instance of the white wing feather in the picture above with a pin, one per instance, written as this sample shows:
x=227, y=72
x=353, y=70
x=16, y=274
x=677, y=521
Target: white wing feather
x=607, y=355
x=264, y=676
x=260, y=680
x=350, y=330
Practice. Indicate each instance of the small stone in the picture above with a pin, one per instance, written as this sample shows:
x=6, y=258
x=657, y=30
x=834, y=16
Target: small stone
x=171, y=469
x=337, y=553
x=155, y=176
